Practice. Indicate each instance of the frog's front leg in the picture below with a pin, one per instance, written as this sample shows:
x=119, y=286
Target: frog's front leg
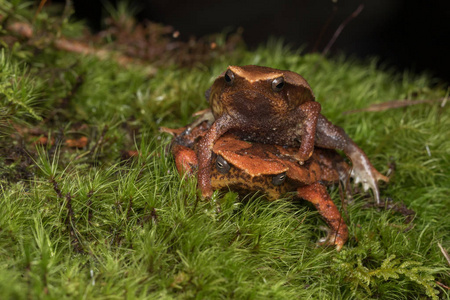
x=309, y=112
x=317, y=194
x=203, y=115
x=334, y=137
x=185, y=159
x=204, y=152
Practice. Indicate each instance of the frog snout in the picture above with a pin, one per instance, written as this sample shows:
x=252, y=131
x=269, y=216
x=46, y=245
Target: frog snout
x=251, y=104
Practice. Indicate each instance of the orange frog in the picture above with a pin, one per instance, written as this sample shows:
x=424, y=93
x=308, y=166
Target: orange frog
x=247, y=167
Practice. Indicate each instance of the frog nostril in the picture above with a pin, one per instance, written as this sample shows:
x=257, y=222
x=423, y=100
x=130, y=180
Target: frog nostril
x=222, y=165
x=279, y=179
x=229, y=77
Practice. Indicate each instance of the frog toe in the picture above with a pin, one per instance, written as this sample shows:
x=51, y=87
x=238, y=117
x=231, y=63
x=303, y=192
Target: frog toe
x=206, y=193
x=185, y=160
x=368, y=176
x=332, y=238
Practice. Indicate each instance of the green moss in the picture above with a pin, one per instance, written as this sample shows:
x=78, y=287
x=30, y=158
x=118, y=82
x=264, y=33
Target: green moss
x=88, y=225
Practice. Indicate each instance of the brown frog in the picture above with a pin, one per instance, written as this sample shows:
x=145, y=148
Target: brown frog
x=270, y=106
x=272, y=169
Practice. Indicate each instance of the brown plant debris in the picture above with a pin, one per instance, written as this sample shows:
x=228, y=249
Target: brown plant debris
x=445, y=253
x=391, y=105
x=396, y=207
x=133, y=42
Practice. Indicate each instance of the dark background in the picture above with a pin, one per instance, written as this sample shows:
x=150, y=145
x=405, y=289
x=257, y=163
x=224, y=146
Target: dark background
x=412, y=35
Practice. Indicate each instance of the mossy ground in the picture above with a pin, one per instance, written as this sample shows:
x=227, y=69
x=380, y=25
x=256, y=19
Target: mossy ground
x=90, y=224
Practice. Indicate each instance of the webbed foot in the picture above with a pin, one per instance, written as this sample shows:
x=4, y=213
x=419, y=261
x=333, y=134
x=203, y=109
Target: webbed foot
x=332, y=238
x=363, y=172
x=302, y=157
x=333, y=137
x=317, y=194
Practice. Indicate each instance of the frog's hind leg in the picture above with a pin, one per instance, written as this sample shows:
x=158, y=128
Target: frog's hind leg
x=333, y=137
x=317, y=194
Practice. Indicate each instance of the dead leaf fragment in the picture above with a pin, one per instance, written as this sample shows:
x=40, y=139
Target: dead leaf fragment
x=77, y=143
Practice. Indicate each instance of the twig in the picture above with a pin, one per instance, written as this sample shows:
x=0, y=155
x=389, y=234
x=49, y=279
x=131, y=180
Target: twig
x=341, y=27
x=392, y=104
x=89, y=205
x=82, y=48
x=26, y=31
x=70, y=218
x=154, y=215
x=56, y=188
x=41, y=5
x=399, y=207
x=299, y=223
x=129, y=208
x=324, y=28
x=444, y=252
x=70, y=223
x=442, y=285
x=70, y=215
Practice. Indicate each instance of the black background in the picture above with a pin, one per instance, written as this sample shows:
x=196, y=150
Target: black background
x=411, y=35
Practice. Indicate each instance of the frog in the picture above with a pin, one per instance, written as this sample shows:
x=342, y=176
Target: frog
x=248, y=167
x=271, y=106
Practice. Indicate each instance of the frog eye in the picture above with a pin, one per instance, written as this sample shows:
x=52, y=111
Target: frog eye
x=279, y=179
x=278, y=84
x=222, y=165
x=229, y=77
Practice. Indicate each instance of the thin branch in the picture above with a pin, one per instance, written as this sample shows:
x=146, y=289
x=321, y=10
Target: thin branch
x=445, y=253
x=70, y=218
x=41, y=5
x=341, y=27
x=70, y=224
x=89, y=205
x=442, y=285
x=56, y=188
x=392, y=104
x=299, y=223
x=26, y=30
x=324, y=28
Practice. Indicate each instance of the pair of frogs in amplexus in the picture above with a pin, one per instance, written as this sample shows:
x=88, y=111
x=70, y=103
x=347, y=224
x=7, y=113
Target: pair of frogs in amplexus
x=264, y=132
